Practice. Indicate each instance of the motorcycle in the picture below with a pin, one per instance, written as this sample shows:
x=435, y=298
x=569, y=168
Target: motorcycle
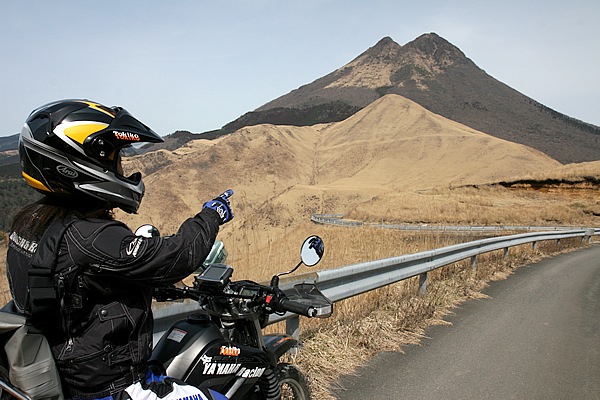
x=222, y=346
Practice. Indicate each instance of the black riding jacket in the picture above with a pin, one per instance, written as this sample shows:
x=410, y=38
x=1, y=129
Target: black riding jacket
x=105, y=275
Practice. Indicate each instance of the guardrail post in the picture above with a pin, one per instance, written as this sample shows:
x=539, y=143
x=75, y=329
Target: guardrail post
x=506, y=252
x=292, y=326
x=423, y=284
x=558, y=242
x=534, y=245
x=589, y=233
x=473, y=262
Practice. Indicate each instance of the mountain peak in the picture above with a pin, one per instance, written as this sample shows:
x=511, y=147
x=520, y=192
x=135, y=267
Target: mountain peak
x=388, y=64
x=384, y=50
x=438, y=51
x=386, y=41
x=432, y=36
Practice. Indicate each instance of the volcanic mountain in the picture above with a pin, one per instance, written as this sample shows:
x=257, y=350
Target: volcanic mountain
x=437, y=75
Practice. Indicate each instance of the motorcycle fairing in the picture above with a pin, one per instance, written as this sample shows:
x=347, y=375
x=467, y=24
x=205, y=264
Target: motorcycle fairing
x=195, y=351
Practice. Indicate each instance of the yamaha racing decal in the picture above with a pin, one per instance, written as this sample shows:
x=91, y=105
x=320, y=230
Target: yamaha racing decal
x=251, y=372
x=220, y=368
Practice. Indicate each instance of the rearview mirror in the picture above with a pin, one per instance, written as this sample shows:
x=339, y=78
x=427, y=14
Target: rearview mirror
x=312, y=251
x=147, y=231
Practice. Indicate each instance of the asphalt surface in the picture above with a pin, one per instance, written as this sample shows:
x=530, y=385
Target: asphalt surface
x=537, y=337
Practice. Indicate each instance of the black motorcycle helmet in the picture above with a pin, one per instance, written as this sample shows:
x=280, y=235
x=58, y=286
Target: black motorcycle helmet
x=73, y=149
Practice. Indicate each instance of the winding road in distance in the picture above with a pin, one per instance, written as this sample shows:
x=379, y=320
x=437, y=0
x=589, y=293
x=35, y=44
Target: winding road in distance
x=537, y=337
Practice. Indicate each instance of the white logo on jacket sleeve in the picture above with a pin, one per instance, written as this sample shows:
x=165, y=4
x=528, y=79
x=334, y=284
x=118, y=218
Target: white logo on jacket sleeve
x=134, y=247
x=23, y=245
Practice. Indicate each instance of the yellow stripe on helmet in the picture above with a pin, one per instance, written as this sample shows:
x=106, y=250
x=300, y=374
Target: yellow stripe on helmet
x=100, y=108
x=34, y=183
x=80, y=132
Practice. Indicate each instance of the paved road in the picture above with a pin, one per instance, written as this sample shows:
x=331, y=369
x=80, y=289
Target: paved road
x=538, y=337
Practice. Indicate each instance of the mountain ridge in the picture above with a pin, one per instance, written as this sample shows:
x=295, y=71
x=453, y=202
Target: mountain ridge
x=439, y=76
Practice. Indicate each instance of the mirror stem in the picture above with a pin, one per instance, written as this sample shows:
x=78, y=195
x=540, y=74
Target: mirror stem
x=275, y=278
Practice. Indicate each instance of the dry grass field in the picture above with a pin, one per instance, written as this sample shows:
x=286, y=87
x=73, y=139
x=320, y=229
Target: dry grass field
x=393, y=317
x=386, y=319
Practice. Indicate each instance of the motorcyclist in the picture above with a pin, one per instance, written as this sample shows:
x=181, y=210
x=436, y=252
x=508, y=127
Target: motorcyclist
x=100, y=330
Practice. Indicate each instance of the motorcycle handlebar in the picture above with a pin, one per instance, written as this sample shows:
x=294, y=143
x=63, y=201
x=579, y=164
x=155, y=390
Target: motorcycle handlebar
x=285, y=304
x=278, y=302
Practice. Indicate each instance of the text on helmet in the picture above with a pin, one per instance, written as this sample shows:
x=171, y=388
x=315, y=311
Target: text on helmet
x=127, y=136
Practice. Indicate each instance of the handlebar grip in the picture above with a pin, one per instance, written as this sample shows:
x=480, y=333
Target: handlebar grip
x=296, y=307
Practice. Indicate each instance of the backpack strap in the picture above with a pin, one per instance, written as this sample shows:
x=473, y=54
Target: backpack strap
x=43, y=302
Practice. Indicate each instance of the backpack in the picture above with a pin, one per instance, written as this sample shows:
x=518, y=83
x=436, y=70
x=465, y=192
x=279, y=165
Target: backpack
x=43, y=301
x=31, y=365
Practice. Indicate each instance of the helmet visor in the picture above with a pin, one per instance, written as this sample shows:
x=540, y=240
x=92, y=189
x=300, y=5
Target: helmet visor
x=127, y=166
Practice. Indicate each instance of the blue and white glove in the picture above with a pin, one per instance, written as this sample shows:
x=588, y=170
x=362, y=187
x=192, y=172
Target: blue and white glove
x=221, y=205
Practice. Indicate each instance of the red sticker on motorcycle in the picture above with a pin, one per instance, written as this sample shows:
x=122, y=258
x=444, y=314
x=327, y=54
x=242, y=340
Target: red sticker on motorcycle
x=177, y=335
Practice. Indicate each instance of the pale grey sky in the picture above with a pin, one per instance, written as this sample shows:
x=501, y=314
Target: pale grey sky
x=196, y=65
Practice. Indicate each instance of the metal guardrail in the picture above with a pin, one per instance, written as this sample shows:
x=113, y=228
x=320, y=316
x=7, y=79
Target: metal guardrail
x=351, y=280
x=338, y=219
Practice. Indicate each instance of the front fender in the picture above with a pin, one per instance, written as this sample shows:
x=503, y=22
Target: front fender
x=279, y=344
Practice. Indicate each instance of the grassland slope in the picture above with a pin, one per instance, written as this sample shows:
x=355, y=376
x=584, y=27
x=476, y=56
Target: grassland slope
x=282, y=174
